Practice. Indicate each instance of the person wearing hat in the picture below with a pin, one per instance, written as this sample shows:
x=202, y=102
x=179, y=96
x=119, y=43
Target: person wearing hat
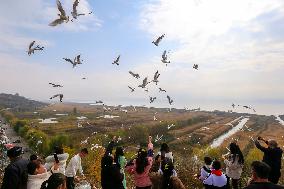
x=15, y=176
x=272, y=156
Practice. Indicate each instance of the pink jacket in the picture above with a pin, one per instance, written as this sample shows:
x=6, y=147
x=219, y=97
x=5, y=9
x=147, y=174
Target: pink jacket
x=141, y=180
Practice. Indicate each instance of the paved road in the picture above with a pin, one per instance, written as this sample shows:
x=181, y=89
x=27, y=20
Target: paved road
x=13, y=136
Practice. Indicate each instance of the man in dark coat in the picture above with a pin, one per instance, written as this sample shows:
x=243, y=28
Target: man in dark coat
x=259, y=177
x=15, y=176
x=272, y=156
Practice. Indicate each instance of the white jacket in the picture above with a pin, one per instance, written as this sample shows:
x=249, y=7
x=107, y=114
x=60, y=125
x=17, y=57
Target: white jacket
x=214, y=180
x=168, y=155
x=233, y=169
x=35, y=181
x=62, y=162
x=203, y=173
x=73, y=166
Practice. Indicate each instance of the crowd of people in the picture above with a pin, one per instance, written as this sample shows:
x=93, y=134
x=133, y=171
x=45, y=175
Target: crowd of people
x=149, y=171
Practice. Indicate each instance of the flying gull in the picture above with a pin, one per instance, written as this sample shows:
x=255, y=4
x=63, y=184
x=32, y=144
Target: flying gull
x=165, y=58
x=134, y=75
x=132, y=89
x=152, y=99
x=62, y=16
x=145, y=82
x=170, y=100
x=156, y=76
x=77, y=60
x=57, y=95
x=74, y=13
x=55, y=85
x=162, y=90
x=32, y=49
x=158, y=40
x=116, y=60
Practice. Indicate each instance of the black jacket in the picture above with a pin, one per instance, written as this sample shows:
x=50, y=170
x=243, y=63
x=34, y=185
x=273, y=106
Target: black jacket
x=15, y=176
x=263, y=185
x=111, y=178
x=272, y=156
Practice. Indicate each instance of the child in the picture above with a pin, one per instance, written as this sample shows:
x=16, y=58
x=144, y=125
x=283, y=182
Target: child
x=216, y=179
x=206, y=169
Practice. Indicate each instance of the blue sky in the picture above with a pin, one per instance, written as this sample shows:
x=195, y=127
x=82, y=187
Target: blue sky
x=238, y=45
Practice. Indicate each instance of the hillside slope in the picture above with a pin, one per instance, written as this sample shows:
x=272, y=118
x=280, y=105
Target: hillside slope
x=19, y=103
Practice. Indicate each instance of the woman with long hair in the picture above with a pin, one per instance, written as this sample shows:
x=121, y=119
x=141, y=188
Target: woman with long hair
x=169, y=178
x=111, y=178
x=120, y=161
x=140, y=169
x=234, y=165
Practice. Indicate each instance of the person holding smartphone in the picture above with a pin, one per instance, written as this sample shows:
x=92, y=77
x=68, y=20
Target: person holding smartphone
x=272, y=156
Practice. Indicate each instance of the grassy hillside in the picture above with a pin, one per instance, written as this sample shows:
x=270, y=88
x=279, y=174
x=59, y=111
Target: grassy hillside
x=19, y=103
x=189, y=133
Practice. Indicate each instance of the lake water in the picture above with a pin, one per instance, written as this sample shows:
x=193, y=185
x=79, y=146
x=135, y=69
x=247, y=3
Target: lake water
x=61, y=114
x=279, y=120
x=218, y=141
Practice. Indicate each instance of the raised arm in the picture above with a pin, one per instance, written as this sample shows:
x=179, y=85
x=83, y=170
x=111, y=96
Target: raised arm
x=150, y=149
x=258, y=145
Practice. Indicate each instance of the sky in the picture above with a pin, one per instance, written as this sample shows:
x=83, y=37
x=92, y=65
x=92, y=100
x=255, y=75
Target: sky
x=238, y=45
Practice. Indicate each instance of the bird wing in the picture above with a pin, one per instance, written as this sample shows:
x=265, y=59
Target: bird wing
x=56, y=22
x=75, y=4
x=145, y=81
x=60, y=8
x=117, y=59
x=169, y=98
x=164, y=56
x=68, y=60
x=54, y=96
x=31, y=44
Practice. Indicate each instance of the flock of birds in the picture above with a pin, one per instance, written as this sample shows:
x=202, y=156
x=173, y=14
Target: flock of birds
x=64, y=18
x=245, y=106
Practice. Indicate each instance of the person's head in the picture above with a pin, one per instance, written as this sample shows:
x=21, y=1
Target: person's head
x=36, y=167
x=216, y=165
x=107, y=161
x=272, y=143
x=119, y=151
x=236, y=152
x=260, y=170
x=14, y=152
x=141, y=161
x=84, y=152
x=55, y=181
x=33, y=157
x=165, y=148
x=158, y=158
x=207, y=160
x=58, y=150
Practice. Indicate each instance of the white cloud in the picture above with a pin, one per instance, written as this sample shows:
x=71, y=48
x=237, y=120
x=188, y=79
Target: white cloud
x=215, y=32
